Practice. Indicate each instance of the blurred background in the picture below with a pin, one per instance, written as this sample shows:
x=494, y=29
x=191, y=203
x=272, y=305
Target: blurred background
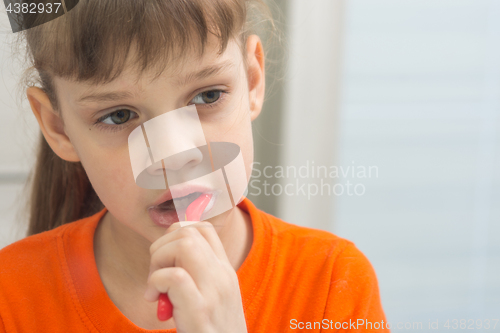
x=392, y=109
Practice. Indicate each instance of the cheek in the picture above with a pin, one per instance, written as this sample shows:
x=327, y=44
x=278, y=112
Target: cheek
x=248, y=159
x=244, y=139
x=105, y=158
x=109, y=172
x=237, y=130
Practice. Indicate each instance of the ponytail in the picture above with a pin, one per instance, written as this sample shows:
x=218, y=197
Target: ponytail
x=60, y=192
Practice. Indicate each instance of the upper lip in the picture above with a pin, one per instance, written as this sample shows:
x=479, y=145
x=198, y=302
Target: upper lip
x=181, y=192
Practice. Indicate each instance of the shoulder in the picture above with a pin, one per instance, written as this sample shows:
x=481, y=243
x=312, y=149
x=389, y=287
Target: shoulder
x=29, y=254
x=36, y=254
x=285, y=230
x=294, y=241
x=37, y=265
x=43, y=244
x=341, y=270
x=347, y=264
x=315, y=241
x=333, y=270
x=31, y=245
x=29, y=266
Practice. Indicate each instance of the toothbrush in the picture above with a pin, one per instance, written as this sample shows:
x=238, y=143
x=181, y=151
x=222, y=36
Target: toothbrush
x=193, y=213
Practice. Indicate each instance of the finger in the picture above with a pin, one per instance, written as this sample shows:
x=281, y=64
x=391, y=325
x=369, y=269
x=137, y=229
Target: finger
x=204, y=228
x=207, y=230
x=171, y=253
x=186, y=299
x=192, y=254
x=174, y=281
x=169, y=236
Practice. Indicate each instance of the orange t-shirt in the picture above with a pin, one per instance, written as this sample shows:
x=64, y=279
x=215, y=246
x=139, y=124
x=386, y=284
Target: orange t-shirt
x=293, y=279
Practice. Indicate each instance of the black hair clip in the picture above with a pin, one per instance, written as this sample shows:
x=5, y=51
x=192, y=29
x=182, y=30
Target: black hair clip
x=26, y=14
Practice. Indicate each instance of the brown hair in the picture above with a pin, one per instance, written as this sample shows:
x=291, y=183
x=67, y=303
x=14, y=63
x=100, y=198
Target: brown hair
x=91, y=43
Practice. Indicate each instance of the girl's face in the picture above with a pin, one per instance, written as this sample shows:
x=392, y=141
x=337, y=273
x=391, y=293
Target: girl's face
x=99, y=119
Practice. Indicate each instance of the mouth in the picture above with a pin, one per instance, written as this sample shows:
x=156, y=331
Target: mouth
x=173, y=210
x=180, y=203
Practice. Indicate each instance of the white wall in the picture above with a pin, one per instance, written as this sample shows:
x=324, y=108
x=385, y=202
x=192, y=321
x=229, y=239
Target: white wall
x=421, y=100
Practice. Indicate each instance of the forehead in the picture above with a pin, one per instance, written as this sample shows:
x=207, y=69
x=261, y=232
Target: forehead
x=185, y=70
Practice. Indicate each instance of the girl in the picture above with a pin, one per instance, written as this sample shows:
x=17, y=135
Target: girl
x=94, y=260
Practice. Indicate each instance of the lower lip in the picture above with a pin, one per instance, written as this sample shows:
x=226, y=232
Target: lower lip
x=163, y=217
x=166, y=217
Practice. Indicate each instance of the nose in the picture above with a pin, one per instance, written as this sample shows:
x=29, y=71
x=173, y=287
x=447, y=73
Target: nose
x=185, y=159
x=166, y=144
x=174, y=138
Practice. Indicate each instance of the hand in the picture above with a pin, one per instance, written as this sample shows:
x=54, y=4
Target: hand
x=190, y=264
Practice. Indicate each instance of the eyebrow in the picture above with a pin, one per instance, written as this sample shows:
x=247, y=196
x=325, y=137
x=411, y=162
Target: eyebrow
x=205, y=72
x=120, y=95
x=105, y=97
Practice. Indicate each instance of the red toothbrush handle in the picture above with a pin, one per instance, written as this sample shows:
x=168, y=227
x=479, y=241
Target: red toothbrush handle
x=165, y=308
x=193, y=213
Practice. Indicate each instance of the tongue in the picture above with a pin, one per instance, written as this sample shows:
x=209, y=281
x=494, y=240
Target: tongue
x=196, y=208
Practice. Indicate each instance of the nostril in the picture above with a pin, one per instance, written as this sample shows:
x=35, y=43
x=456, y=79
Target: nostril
x=156, y=169
x=184, y=159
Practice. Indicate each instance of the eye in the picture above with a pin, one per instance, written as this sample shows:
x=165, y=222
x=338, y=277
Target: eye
x=118, y=117
x=207, y=97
